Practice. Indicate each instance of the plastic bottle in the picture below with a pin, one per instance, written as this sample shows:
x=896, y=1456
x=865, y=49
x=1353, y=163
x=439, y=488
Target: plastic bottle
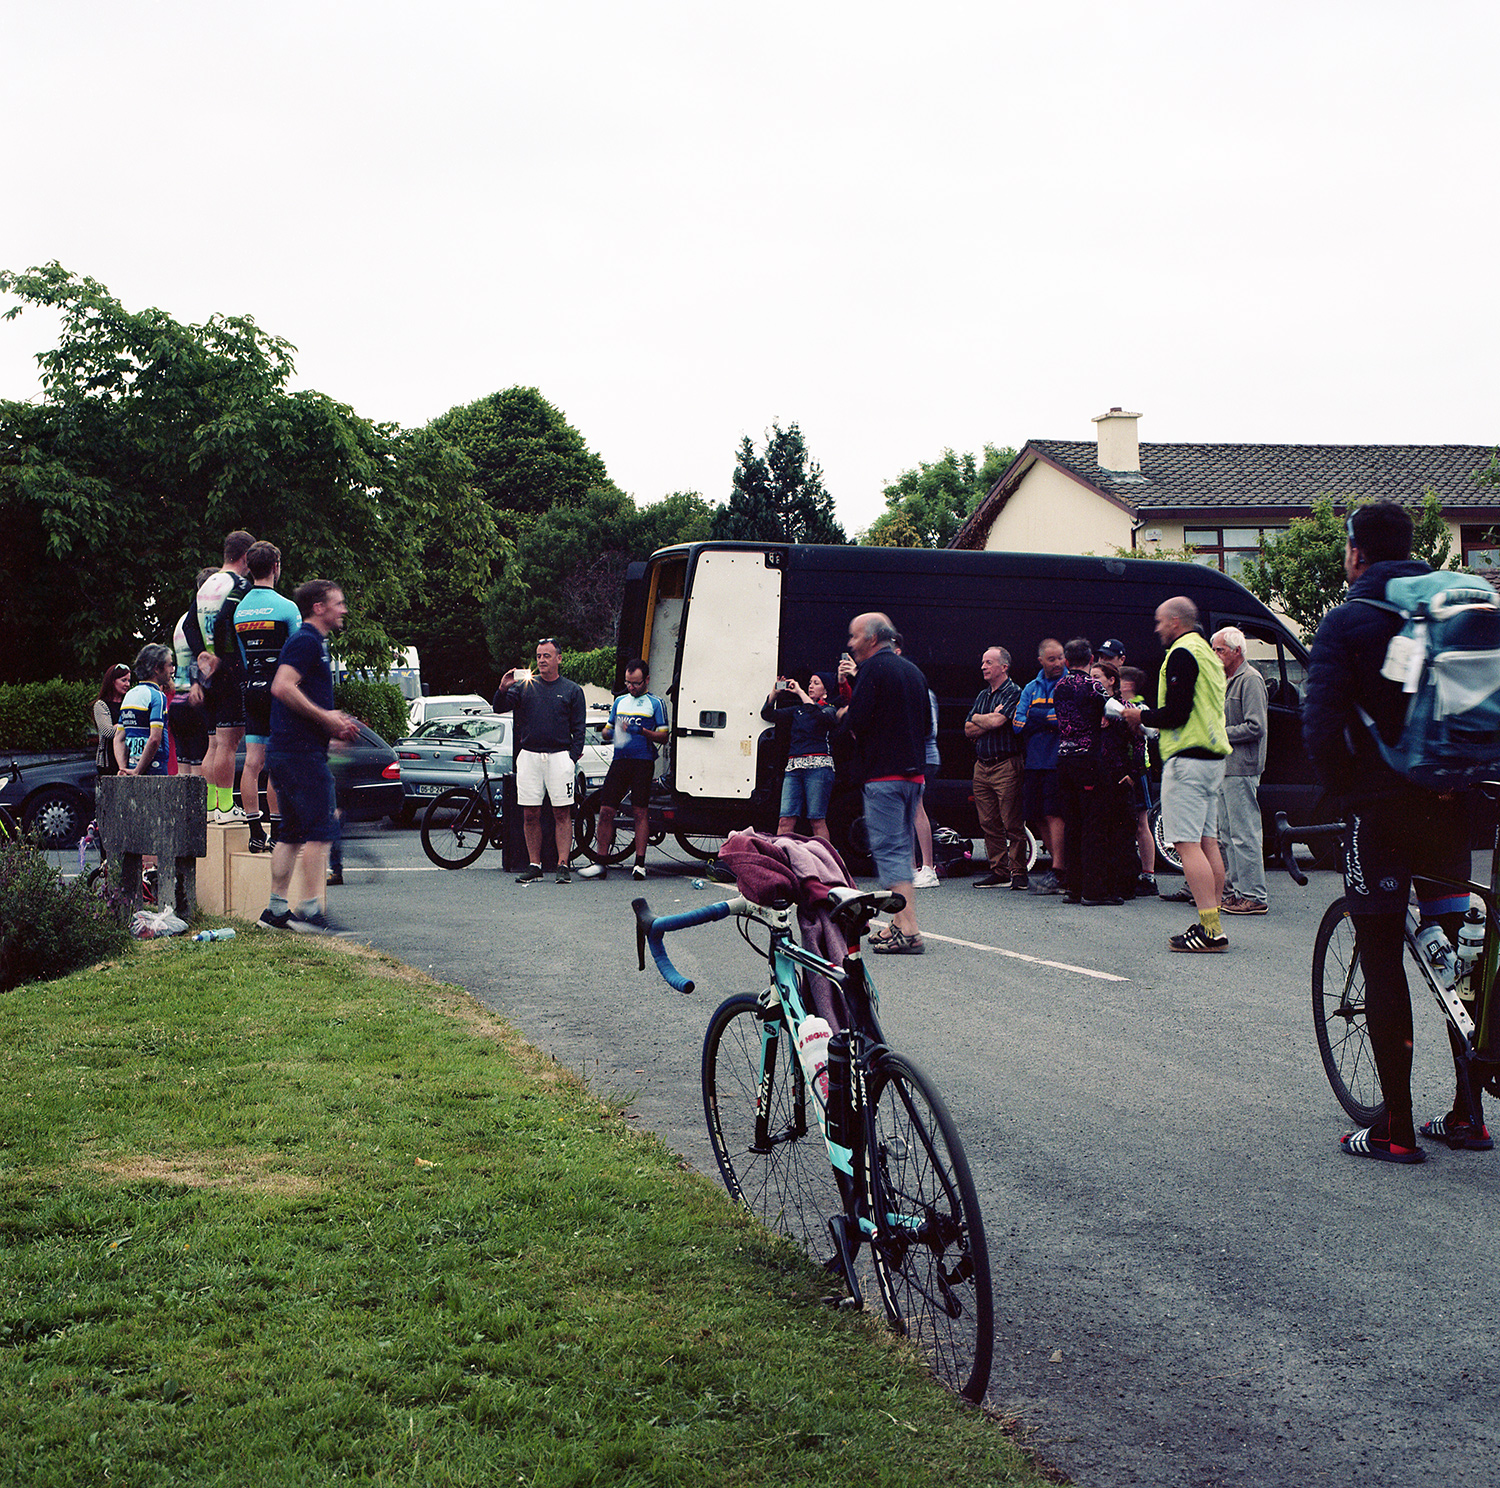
x=1470, y=941
x=227, y=933
x=1437, y=951
x=812, y=1050
x=700, y=883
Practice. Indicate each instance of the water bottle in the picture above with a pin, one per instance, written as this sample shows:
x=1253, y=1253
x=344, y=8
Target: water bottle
x=1437, y=950
x=840, y=1118
x=227, y=933
x=1470, y=941
x=812, y=1050
x=700, y=883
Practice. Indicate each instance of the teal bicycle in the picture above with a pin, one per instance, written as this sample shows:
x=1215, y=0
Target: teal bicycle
x=861, y=1152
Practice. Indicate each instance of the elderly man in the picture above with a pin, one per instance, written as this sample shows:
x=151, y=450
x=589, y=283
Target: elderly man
x=1189, y=712
x=997, y=772
x=550, y=716
x=1245, y=723
x=888, y=719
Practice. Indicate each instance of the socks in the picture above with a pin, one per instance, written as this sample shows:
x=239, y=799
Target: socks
x=1209, y=919
x=308, y=908
x=279, y=904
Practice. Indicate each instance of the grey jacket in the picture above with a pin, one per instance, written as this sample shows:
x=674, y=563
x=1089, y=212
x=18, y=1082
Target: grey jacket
x=1245, y=721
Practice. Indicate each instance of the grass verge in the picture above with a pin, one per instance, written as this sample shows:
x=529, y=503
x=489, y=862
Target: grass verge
x=290, y=1213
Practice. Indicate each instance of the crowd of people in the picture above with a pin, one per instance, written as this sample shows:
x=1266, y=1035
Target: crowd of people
x=246, y=663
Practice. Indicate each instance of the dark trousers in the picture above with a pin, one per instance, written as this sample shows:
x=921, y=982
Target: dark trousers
x=1085, y=827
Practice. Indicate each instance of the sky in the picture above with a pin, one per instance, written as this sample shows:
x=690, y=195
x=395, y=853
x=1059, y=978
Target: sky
x=903, y=228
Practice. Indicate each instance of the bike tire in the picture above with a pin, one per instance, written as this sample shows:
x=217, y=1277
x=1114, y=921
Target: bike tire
x=457, y=842
x=586, y=829
x=931, y=1263
x=790, y=1187
x=704, y=846
x=1338, y=1002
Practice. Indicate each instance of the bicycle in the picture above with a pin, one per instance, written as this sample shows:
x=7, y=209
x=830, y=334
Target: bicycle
x=875, y=1162
x=473, y=822
x=1338, y=987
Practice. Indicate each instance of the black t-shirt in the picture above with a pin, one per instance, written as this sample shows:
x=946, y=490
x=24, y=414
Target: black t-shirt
x=293, y=732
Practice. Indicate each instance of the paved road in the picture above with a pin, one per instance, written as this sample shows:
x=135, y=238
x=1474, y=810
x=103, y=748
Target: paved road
x=1193, y=1286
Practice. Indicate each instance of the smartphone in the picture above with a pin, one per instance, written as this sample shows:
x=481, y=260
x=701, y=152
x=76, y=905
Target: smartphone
x=782, y=685
x=845, y=656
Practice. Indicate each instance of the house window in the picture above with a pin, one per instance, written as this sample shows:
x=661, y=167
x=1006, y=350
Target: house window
x=1227, y=548
x=1481, y=550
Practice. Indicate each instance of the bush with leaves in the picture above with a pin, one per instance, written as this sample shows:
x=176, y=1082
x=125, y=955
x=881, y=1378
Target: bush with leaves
x=47, y=927
x=47, y=715
x=379, y=705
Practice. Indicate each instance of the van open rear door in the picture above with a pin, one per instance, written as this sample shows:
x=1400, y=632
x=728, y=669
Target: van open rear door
x=727, y=663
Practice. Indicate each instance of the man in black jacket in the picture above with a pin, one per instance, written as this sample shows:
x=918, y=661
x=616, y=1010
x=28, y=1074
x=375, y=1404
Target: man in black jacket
x=1396, y=829
x=888, y=719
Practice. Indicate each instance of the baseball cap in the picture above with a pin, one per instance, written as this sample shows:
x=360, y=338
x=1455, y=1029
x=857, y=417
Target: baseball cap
x=1110, y=649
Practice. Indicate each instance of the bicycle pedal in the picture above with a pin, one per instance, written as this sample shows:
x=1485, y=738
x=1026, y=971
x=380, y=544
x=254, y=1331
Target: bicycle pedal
x=843, y=1259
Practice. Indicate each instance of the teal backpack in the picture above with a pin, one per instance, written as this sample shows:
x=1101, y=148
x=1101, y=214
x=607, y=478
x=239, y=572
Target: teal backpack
x=1447, y=659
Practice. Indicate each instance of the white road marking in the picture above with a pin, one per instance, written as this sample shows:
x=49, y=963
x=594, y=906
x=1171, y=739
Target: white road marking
x=974, y=945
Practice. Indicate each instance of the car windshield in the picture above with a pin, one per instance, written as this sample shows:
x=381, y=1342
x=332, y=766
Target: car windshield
x=490, y=730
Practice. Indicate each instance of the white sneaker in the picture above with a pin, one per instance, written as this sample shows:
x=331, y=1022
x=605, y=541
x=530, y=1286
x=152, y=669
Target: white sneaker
x=594, y=870
x=926, y=878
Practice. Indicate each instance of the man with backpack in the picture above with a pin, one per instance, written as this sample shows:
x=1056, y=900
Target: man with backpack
x=1396, y=828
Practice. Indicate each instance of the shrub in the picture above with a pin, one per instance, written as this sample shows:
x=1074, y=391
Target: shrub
x=47, y=715
x=48, y=928
x=379, y=704
x=597, y=667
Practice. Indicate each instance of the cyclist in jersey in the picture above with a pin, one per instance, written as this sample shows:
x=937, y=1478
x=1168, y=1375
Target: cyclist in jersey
x=637, y=723
x=220, y=694
x=263, y=621
x=139, y=746
x=187, y=724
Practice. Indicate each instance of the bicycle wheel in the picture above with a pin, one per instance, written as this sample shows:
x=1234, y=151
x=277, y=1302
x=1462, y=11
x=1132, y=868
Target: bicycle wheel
x=701, y=845
x=1338, y=999
x=586, y=830
x=931, y=1264
x=779, y=1172
x=456, y=842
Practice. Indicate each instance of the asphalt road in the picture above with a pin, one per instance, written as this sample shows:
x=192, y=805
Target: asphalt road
x=1193, y=1285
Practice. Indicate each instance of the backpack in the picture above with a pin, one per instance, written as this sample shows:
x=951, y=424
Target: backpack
x=1447, y=659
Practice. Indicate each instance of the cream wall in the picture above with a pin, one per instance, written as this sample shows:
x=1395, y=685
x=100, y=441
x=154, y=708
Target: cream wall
x=1051, y=513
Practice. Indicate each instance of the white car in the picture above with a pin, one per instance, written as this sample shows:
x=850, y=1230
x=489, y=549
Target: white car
x=449, y=705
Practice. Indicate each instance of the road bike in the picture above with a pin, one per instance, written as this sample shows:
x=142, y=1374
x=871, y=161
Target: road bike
x=1338, y=983
x=459, y=824
x=872, y=1163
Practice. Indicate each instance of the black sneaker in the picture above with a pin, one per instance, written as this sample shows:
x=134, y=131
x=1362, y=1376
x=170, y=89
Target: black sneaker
x=1183, y=895
x=261, y=844
x=992, y=881
x=335, y=876
x=1019, y=882
x=1145, y=886
x=269, y=921
x=313, y=924
x=563, y=876
x=531, y=875
x=1196, y=938
x=1048, y=883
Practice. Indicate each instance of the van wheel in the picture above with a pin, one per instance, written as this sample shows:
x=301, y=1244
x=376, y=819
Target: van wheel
x=1167, y=860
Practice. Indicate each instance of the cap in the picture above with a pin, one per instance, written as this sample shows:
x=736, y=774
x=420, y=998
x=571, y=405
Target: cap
x=1110, y=649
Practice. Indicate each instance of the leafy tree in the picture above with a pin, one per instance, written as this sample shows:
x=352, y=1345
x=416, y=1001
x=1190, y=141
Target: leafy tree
x=1301, y=571
x=926, y=506
x=778, y=496
x=152, y=439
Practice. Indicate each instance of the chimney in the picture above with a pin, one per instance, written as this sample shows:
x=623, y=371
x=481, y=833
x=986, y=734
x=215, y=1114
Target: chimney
x=1119, y=444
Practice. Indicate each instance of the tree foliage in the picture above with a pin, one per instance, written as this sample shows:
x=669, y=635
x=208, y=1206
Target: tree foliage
x=778, y=496
x=1301, y=571
x=926, y=506
x=152, y=439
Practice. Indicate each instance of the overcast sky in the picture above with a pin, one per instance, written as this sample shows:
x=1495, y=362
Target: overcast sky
x=903, y=227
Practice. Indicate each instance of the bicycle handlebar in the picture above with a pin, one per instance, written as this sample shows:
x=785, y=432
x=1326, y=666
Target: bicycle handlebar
x=1287, y=837
x=649, y=930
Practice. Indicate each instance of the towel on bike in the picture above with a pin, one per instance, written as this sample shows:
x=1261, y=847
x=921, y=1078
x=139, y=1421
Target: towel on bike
x=800, y=869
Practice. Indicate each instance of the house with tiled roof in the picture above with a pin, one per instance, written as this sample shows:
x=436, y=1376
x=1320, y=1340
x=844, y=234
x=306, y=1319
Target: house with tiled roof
x=1074, y=496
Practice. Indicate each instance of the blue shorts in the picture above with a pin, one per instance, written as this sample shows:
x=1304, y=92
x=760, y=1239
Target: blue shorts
x=1040, y=796
x=891, y=824
x=807, y=792
x=304, y=789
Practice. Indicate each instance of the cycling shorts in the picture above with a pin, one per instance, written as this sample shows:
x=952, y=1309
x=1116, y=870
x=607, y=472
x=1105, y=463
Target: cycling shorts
x=223, y=700
x=627, y=777
x=189, y=729
x=258, y=712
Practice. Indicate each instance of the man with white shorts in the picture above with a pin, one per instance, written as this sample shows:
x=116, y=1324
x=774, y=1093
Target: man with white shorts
x=1194, y=745
x=550, y=713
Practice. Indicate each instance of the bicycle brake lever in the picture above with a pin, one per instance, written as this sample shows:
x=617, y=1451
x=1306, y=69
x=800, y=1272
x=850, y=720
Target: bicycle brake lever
x=1286, y=842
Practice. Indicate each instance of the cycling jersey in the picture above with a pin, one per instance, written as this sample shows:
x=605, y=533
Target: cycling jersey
x=263, y=621
x=201, y=621
x=183, y=653
x=142, y=713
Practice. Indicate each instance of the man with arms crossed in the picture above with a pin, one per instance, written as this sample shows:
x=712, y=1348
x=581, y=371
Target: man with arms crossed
x=303, y=720
x=888, y=718
x=550, y=714
x=637, y=723
x=997, y=772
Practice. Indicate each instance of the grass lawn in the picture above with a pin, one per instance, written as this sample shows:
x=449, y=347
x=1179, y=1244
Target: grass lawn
x=275, y=1212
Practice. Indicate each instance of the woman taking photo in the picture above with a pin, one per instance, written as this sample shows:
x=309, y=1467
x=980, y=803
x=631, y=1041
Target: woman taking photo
x=803, y=722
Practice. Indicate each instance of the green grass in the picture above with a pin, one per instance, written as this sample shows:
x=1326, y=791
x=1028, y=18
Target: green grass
x=287, y=1213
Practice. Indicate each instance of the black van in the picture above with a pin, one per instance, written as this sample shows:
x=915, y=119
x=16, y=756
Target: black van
x=717, y=622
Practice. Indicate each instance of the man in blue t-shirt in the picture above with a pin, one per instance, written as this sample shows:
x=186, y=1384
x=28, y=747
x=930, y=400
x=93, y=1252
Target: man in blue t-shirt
x=303, y=720
x=637, y=723
x=143, y=715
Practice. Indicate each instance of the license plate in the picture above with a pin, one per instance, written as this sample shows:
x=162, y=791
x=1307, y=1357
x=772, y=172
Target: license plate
x=431, y=790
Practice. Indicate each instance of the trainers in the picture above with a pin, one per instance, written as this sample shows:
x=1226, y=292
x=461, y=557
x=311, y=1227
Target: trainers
x=1145, y=886
x=992, y=881
x=1238, y=905
x=1184, y=895
x=313, y=924
x=1019, y=881
x=334, y=876
x=1196, y=938
x=232, y=818
x=563, y=876
x=1458, y=1133
x=269, y=921
x=1047, y=884
x=638, y=873
x=261, y=844
x=926, y=878
x=531, y=874
x=594, y=870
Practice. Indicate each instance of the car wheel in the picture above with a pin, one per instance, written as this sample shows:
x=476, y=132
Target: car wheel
x=56, y=816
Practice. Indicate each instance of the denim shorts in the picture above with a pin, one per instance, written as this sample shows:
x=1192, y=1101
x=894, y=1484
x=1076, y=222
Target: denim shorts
x=807, y=792
x=891, y=823
x=304, y=789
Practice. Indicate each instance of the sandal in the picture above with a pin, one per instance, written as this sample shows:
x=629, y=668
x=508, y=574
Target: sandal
x=880, y=934
x=1458, y=1133
x=898, y=944
x=1362, y=1144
